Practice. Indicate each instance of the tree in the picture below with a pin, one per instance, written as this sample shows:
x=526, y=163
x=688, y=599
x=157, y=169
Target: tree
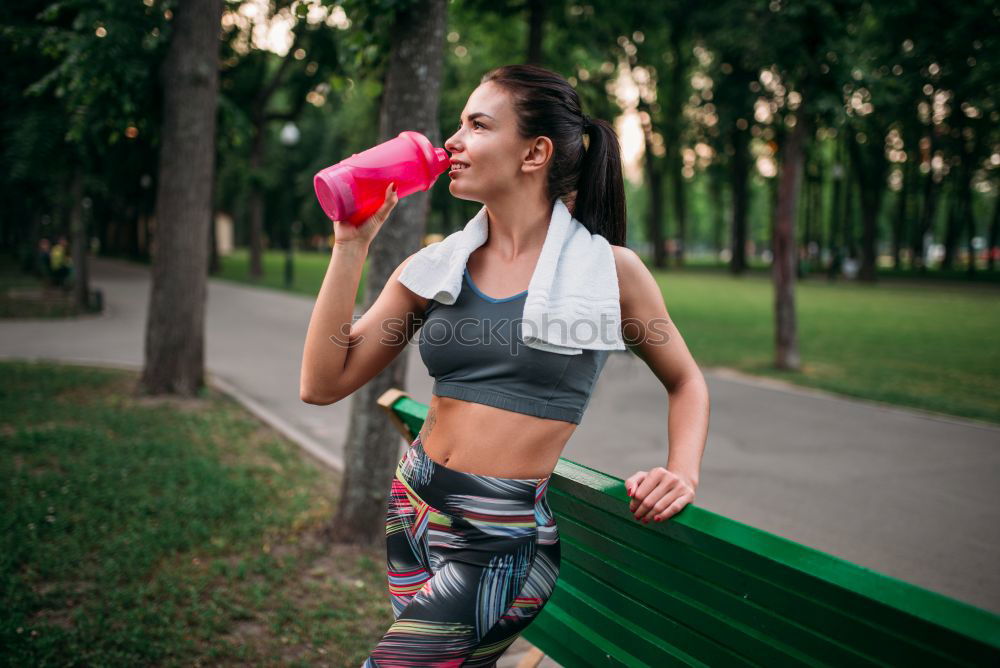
x=409, y=102
x=792, y=42
x=175, y=327
x=728, y=112
x=95, y=56
x=254, y=86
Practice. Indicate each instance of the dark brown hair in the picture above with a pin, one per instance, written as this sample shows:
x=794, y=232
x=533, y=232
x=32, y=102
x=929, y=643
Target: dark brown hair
x=546, y=104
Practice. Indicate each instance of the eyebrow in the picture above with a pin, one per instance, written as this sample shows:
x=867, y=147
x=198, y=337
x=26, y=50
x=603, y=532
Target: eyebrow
x=475, y=115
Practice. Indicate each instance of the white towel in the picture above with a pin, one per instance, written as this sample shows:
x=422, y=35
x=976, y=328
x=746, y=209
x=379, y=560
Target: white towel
x=573, y=301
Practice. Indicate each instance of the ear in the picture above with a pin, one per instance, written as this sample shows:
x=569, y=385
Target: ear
x=537, y=155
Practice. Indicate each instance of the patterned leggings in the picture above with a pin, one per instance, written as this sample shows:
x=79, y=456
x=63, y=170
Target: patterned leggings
x=471, y=561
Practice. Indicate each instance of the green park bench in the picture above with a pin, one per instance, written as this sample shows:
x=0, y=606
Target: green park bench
x=704, y=590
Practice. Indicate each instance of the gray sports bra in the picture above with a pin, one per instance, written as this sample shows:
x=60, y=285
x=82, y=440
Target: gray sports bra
x=474, y=351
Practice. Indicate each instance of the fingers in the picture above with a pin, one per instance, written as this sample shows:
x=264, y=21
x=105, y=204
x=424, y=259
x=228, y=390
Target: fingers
x=383, y=211
x=660, y=500
x=644, y=505
x=657, y=495
x=633, y=481
x=391, y=197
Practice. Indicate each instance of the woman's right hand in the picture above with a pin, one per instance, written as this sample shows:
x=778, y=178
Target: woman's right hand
x=362, y=235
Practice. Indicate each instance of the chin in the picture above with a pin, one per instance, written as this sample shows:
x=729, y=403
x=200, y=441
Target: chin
x=458, y=194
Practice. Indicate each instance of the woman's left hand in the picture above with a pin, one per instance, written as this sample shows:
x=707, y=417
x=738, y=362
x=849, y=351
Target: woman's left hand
x=658, y=494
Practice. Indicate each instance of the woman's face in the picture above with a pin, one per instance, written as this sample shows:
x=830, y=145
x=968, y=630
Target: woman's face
x=490, y=146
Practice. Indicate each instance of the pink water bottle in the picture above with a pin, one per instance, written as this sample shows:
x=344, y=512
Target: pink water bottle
x=354, y=188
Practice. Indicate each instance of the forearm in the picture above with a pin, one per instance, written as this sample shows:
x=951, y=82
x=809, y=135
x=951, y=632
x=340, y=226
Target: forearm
x=327, y=338
x=687, y=427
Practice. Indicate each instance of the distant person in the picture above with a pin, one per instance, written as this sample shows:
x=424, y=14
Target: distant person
x=42, y=269
x=60, y=262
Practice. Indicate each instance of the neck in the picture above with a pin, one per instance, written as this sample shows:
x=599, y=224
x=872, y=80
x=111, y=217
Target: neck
x=517, y=227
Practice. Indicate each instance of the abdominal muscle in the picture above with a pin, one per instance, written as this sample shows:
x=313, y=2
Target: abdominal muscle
x=476, y=438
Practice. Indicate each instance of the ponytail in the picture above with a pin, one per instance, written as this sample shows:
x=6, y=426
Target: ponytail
x=600, y=197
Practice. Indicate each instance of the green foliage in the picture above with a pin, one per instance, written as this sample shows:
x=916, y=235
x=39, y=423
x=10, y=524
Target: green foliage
x=104, y=53
x=70, y=94
x=70, y=98
x=369, y=41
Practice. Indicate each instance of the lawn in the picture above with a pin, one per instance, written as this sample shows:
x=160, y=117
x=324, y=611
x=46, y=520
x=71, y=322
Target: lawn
x=921, y=344
x=309, y=270
x=928, y=344
x=179, y=532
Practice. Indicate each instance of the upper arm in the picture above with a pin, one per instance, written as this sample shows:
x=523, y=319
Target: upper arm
x=647, y=328
x=379, y=335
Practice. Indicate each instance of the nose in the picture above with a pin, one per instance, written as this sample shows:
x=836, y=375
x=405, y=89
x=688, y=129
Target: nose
x=450, y=144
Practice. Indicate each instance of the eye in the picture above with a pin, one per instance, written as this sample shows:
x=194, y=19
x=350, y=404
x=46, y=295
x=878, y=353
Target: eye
x=474, y=123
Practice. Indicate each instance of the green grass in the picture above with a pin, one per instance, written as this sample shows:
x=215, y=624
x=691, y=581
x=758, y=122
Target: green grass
x=927, y=342
x=309, y=270
x=919, y=344
x=143, y=531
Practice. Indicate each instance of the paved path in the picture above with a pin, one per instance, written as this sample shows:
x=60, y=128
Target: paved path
x=905, y=493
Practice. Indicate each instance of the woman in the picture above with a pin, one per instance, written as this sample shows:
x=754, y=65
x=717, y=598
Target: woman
x=472, y=546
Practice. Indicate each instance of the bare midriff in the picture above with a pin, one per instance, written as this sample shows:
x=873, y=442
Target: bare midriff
x=476, y=438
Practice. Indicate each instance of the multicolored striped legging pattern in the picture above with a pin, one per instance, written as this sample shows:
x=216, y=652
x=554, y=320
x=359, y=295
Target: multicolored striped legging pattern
x=471, y=561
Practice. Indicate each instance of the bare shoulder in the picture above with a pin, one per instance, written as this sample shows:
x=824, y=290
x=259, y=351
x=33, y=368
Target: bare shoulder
x=647, y=328
x=631, y=270
x=419, y=303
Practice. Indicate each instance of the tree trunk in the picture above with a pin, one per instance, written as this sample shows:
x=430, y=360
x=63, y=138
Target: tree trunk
x=79, y=245
x=256, y=201
x=869, y=167
x=679, y=88
x=929, y=209
x=654, y=183
x=260, y=117
x=175, y=336
x=814, y=228
x=536, y=31
x=871, y=200
x=835, y=235
x=968, y=215
x=850, y=245
x=899, y=224
x=738, y=177
x=213, y=249
x=806, y=212
x=680, y=209
x=970, y=220
x=783, y=243
x=994, y=240
x=715, y=185
x=654, y=212
x=952, y=225
x=409, y=102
